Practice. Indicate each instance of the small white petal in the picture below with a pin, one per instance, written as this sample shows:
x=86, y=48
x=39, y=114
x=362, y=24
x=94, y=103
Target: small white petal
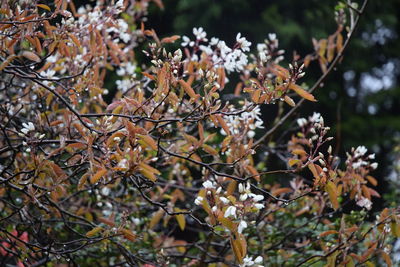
x=257, y=198
x=258, y=260
x=242, y=225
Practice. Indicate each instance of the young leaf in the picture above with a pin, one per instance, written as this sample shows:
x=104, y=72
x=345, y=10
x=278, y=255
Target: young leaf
x=31, y=56
x=96, y=177
x=156, y=218
x=94, y=231
x=223, y=124
x=180, y=218
x=170, y=39
x=148, y=141
x=44, y=6
x=189, y=90
x=301, y=92
x=332, y=192
x=128, y=234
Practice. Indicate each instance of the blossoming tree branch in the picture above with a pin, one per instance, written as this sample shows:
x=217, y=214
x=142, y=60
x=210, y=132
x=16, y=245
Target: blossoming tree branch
x=172, y=171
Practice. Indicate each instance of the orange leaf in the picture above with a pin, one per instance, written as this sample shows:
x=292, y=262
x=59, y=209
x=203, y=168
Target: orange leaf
x=180, y=218
x=280, y=191
x=77, y=145
x=170, y=39
x=106, y=221
x=156, y=218
x=44, y=6
x=301, y=92
x=256, y=95
x=209, y=149
x=148, y=141
x=128, y=234
x=313, y=170
x=223, y=124
x=293, y=162
x=372, y=180
x=386, y=258
x=188, y=89
x=31, y=56
x=82, y=181
x=94, y=231
x=96, y=177
x=289, y=101
x=332, y=192
x=330, y=232
x=151, y=77
x=7, y=62
x=300, y=152
x=74, y=39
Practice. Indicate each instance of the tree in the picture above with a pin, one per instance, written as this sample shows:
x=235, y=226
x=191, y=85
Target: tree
x=172, y=170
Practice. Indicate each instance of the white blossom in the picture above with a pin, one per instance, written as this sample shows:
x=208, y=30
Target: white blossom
x=364, y=202
x=251, y=134
x=200, y=33
x=241, y=188
x=360, y=151
x=198, y=200
x=242, y=226
x=27, y=127
x=243, y=197
x=124, y=85
x=374, y=165
x=244, y=44
x=208, y=185
x=316, y=117
x=105, y=191
x=123, y=164
x=251, y=119
x=272, y=36
x=259, y=206
x=230, y=211
x=257, y=198
x=248, y=261
x=301, y=122
x=258, y=260
x=224, y=200
x=214, y=41
x=186, y=41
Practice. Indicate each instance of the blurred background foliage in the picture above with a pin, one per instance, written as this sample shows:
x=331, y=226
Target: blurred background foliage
x=360, y=100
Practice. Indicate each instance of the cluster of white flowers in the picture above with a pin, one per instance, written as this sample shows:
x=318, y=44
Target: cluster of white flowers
x=314, y=125
x=125, y=84
x=24, y=132
x=93, y=16
x=126, y=69
x=48, y=74
x=249, y=261
x=315, y=118
x=250, y=119
x=269, y=49
x=364, y=202
x=242, y=42
x=27, y=127
x=232, y=59
x=233, y=209
x=359, y=158
x=245, y=193
x=200, y=34
x=230, y=212
x=106, y=206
